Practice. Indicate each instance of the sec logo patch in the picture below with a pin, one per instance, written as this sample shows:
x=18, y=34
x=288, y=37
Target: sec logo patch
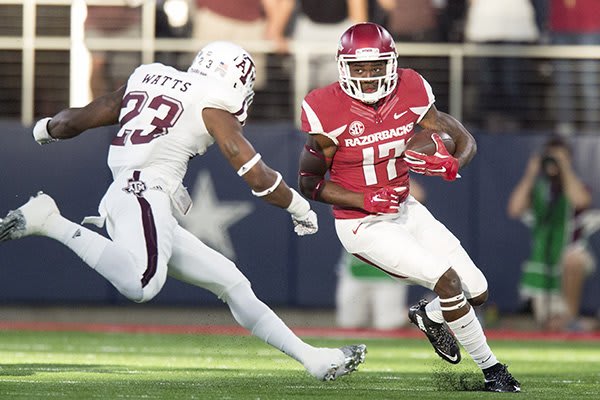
x=356, y=128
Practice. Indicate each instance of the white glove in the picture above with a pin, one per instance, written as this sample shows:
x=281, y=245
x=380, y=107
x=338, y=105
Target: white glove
x=304, y=219
x=306, y=225
x=40, y=132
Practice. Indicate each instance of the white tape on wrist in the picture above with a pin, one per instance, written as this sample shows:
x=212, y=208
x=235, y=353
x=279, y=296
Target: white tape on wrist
x=271, y=189
x=249, y=164
x=40, y=131
x=299, y=206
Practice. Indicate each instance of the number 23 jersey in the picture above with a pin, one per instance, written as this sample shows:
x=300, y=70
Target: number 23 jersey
x=370, y=141
x=161, y=125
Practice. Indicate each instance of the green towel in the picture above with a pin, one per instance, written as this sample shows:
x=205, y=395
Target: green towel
x=551, y=232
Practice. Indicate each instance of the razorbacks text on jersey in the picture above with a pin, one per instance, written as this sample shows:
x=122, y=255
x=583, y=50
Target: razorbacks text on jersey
x=370, y=141
x=161, y=120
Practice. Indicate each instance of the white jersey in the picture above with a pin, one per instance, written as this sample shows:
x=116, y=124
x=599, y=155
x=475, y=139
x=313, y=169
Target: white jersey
x=161, y=120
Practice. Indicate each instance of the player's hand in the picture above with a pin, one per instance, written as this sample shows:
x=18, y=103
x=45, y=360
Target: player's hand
x=441, y=163
x=383, y=201
x=40, y=132
x=307, y=224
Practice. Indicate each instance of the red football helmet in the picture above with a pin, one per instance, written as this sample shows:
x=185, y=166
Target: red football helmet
x=367, y=42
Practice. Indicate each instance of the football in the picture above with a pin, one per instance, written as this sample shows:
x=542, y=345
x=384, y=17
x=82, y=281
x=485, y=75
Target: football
x=421, y=142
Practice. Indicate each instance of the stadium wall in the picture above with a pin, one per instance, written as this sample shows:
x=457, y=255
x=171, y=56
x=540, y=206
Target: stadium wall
x=285, y=270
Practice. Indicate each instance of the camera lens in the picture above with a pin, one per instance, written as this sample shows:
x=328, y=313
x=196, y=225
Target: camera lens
x=549, y=163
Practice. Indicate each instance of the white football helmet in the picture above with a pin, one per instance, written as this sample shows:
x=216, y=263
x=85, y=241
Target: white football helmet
x=367, y=42
x=229, y=62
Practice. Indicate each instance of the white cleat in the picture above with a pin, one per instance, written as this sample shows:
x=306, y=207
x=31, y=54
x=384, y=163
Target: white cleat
x=337, y=362
x=354, y=355
x=29, y=219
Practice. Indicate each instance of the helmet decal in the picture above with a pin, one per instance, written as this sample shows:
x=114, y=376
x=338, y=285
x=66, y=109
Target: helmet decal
x=230, y=63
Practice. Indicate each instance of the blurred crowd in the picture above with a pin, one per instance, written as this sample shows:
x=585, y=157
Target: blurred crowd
x=504, y=94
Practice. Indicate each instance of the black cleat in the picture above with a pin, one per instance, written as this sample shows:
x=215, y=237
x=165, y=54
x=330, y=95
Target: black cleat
x=442, y=340
x=498, y=379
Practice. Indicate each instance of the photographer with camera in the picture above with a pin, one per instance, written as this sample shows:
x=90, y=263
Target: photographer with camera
x=551, y=199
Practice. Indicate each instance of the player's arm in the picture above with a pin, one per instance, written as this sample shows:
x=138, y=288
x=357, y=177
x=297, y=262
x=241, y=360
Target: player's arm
x=265, y=182
x=71, y=122
x=315, y=161
x=466, y=147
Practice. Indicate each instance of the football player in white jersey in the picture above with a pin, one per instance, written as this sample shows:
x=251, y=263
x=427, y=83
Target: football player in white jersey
x=166, y=117
x=355, y=159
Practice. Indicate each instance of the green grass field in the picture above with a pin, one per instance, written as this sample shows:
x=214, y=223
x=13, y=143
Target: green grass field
x=75, y=365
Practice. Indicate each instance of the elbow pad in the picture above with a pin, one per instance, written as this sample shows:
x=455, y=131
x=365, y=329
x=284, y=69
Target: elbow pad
x=311, y=184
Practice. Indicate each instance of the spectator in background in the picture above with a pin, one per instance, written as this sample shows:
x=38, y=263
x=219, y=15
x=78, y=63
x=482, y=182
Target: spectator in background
x=553, y=200
x=452, y=20
x=243, y=21
x=324, y=22
x=367, y=296
x=111, y=69
x=501, y=22
x=173, y=20
x=576, y=22
x=412, y=20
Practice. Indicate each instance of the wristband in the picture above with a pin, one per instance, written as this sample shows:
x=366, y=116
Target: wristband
x=271, y=189
x=40, y=131
x=299, y=206
x=249, y=164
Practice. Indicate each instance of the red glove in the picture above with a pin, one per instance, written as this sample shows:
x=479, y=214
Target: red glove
x=383, y=201
x=441, y=163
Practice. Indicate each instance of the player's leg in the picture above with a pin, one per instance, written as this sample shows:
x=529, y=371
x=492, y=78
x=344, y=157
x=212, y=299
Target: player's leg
x=389, y=245
x=142, y=226
x=195, y=263
x=458, y=284
x=137, y=275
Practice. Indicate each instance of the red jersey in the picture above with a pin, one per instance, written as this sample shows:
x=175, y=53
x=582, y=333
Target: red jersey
x=370, y=140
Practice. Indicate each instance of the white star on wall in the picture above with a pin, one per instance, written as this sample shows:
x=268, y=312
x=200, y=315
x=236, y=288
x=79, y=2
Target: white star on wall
x=210, y=219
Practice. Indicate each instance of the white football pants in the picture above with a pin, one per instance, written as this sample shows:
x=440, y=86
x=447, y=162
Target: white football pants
x=411, y=246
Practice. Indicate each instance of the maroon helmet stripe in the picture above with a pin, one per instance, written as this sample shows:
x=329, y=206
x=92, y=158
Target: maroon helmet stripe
x=378, y=267
x=149, y=235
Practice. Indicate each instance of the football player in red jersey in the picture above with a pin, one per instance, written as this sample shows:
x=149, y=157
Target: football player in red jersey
x=357, y=133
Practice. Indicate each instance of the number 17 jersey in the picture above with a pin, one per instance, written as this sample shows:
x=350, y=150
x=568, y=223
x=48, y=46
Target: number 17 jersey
x=370, y=140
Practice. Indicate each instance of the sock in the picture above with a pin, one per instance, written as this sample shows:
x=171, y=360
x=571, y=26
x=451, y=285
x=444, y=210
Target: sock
x=110, y=260
x=258, y=318
x=434, y=311
x=469, y=334
x=88, y=245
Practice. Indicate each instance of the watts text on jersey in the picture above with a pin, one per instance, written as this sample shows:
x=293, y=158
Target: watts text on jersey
x=162, y=80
